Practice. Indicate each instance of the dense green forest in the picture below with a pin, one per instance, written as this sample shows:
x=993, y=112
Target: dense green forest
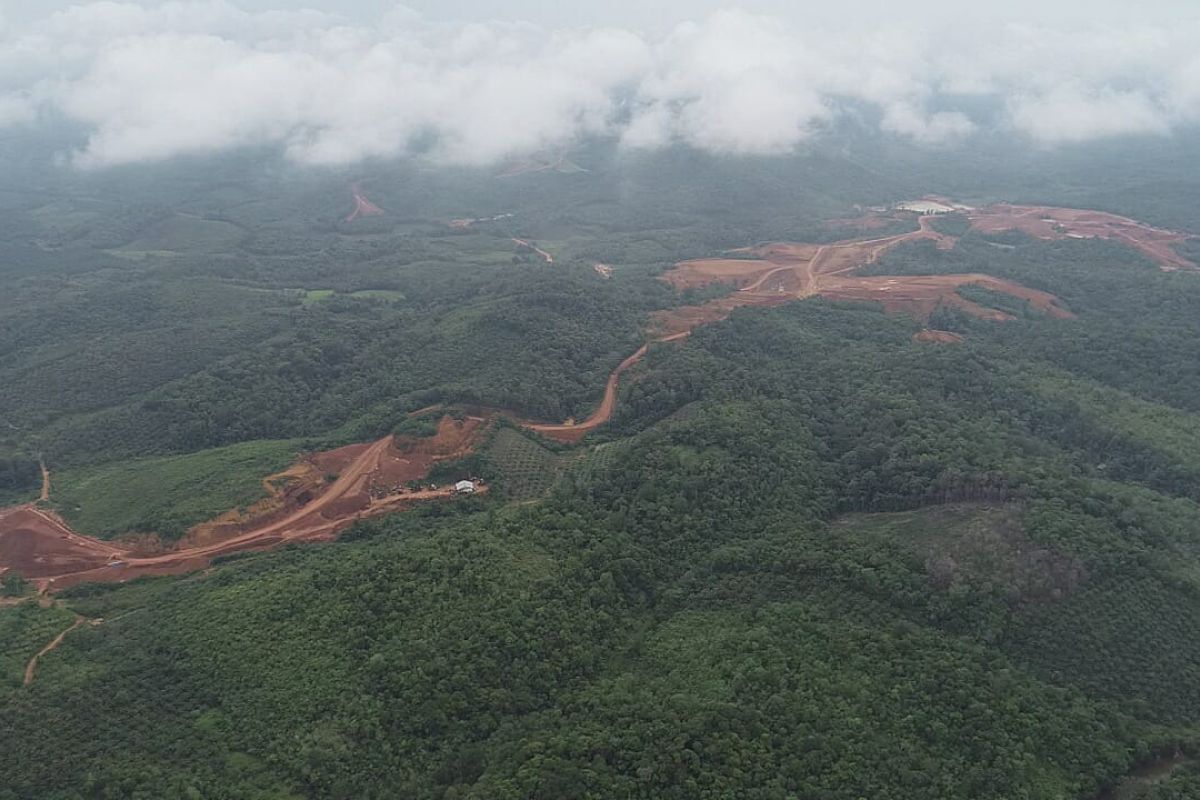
x=808, y=559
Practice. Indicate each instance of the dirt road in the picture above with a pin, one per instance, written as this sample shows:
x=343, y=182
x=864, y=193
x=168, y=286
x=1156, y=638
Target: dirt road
x=39, y=545
x=549, y=259
x=45, y=498
x=788, y=271
x=31, y=667
x=571, y=433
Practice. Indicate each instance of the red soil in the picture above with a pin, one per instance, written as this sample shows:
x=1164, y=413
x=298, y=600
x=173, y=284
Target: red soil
x=41, y=547
x=362, y=206
x=921, y=295
x=790, y=271
x=1044, y=222
x=937, y=337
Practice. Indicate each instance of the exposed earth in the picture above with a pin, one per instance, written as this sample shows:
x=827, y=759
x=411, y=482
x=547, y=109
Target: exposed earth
x=362, y=206
x=370, y=479
x=326, y=492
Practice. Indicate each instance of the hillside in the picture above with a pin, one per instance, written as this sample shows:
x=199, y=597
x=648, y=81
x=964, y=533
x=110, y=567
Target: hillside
x=882, y=505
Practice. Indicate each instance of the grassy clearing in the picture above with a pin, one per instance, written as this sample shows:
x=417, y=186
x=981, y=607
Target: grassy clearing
x=314, y=296
x=525, y=468
x=309, y=297
x=168, y=494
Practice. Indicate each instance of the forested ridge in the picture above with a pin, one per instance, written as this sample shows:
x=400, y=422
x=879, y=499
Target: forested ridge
x=808, y=558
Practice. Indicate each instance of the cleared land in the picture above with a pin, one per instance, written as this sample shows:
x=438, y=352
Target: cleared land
x=1044, y=222
x=320, y=497
x=370, y=479
x=785, y=271
x=362, y=206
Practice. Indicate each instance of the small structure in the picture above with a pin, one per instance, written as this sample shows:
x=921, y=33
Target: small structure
x=464, y=487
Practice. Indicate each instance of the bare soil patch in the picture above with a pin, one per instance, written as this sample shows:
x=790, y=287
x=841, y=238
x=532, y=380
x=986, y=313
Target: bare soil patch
x=937, y=337
x=372, y=479
x=789, y=271
x=1045, y=222
x=362, y=206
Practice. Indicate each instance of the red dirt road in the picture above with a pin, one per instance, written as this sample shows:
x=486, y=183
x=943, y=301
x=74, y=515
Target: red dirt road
x=571, y=432
x=42, y=548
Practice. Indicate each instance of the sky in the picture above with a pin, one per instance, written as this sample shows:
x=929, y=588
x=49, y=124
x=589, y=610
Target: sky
x=468, y=82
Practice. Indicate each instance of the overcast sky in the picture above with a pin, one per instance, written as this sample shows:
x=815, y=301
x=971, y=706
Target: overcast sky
x=335, y=81
x=656, y=15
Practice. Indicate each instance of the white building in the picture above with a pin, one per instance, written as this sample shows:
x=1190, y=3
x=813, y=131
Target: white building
x=464, y=487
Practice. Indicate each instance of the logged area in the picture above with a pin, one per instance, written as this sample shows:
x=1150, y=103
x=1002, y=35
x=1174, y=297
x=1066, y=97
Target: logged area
x=782, y=272
x=900, y=504
x=330, y=491
x=320, y=497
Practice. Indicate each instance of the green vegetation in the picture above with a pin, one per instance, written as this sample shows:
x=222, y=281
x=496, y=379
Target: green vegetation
x=526, y=470
x=13, y=585
x=168, y=494
x=955, y=224
x=20, y=480
x=314, y=296
x=25, y=629
x=808, y=559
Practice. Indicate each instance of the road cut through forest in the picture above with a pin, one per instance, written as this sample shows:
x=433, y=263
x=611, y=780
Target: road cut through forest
x=377, y=478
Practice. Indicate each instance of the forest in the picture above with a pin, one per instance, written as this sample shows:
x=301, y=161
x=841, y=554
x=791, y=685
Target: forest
x=808, y=558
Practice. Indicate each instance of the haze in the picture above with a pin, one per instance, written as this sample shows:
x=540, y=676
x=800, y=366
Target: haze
x=474, y=83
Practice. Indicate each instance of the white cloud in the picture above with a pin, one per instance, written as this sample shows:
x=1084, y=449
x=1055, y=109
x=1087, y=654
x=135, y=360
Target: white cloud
x=735, y=83
x=1071, y=113
x=16, y=109
x=193, y=76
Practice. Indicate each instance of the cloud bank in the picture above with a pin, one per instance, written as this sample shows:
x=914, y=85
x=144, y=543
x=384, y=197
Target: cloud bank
x=179, y=78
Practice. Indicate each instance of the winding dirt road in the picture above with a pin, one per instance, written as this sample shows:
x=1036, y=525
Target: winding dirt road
x=41, y=546
x=31, y=667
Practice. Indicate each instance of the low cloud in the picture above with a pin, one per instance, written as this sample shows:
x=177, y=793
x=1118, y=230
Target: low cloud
x=16, y=109
x=151, y=83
